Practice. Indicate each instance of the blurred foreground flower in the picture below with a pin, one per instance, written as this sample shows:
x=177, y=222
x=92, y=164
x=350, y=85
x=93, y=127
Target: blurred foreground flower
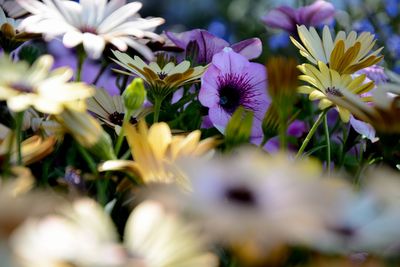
x=327, y=86
x=17, y=202
x=346, y=54
x=232, y=81
x=110, y=110
x=47, y=91
x=250, y=199
x=382, y=112
x=155, y=152
x=208, y=45
x=33, y=148
x=93, y=23
x=84, y=235
x=287, y=18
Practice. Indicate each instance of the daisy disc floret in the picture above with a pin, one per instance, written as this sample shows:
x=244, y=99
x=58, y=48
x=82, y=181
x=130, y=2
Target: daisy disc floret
x=48, y=91
x=327, y=84
x=161, y=81
x=345, y=54
x=94, y=23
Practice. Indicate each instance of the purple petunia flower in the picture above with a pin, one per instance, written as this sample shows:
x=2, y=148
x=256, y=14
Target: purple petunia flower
x=286, y=18
x=209, y=44
x=232, y=81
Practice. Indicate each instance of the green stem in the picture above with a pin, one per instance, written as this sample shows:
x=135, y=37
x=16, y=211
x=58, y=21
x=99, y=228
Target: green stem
x=19, y=118
x=81, y=58
x=328, y=143
x=282, y=130
x=89, y=160
x=121, y=135
x=101, y=71
x=311, y=133
x=157, y=108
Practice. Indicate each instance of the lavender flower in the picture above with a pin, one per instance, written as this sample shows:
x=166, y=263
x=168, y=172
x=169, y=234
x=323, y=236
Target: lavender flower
x=286, y=18
x=210, y=44
x=232, y=81
x=375, y=73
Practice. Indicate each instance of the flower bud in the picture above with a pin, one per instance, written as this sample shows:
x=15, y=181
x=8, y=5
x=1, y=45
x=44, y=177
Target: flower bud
x=134, y=95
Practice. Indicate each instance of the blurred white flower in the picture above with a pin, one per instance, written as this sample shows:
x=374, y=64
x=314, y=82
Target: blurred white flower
x=253, y=197
x=84, y=235
x=93, y=23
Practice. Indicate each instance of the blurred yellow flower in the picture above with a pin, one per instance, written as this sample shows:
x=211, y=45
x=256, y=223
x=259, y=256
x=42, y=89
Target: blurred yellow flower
x=327, y=85
x=345, y=54
x=156, y=150
x=33, y=148
x=48, y=91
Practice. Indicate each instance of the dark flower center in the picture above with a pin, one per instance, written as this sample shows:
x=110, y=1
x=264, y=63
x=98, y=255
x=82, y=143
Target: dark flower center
x=344, y=231
x=23, y=88
x=334, y=91
x=235, y=90
x=162, y=75
x=229, y=98
x=241, y=195
x=118, y=118
x=88, y=29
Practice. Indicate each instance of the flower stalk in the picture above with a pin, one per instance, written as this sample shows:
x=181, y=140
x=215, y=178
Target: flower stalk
x=311, y=132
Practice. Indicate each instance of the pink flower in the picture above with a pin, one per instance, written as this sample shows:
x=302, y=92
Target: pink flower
x=286, y=18
x=210, y=44
x=232, y=81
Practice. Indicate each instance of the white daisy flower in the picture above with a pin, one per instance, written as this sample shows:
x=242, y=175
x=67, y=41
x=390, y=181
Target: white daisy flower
x=94, y=23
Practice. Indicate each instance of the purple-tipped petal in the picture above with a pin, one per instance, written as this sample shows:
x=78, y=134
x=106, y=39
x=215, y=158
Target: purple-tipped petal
x=249, y=48
x=364, y=128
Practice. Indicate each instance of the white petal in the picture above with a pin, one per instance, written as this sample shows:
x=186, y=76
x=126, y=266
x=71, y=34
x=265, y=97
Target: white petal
x=93, y=44
x=72, y=39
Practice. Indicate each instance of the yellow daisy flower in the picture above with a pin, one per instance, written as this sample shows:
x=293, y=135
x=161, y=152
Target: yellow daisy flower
x=48, y=91
x=110, y=110
x=161, y=80
x=326, y=85
x=156, y=150
x=345, y=54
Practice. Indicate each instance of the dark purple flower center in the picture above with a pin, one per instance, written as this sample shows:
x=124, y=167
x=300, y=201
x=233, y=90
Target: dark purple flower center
x=118, y=118
x=334, y=91
x=162, y=75
x=235, y=90
x=241, y=195
x=88, y=29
